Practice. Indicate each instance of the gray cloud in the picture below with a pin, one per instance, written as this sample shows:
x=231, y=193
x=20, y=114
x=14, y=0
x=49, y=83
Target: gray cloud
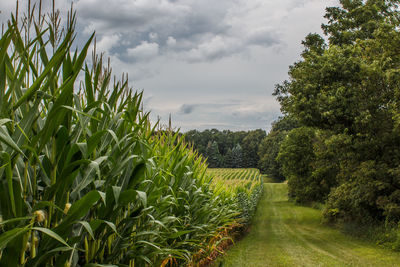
x=187, y=109
x=189, y=30
x=231, y=114
x=211, y=64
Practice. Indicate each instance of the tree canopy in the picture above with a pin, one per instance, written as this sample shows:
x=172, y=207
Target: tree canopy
x=346, y=90
x=269, y=147
x=227, y=149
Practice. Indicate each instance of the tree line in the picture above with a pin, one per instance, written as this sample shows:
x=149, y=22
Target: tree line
x=339, y=141
x=227, y=149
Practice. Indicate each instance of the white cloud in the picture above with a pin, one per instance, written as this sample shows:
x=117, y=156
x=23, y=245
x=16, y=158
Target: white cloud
x=171, y=41
x=215, y=48
x=107, y=42
x=208, y=63
x=144, y=51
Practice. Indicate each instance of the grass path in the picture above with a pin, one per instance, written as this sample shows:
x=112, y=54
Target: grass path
x=284, y=234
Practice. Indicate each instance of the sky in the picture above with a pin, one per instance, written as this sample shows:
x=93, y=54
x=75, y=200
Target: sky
x=208, y=63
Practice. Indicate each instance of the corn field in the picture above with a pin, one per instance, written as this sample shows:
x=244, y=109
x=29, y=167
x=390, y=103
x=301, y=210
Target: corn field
x=238, y=175
x=244, y=186
x=85, y=179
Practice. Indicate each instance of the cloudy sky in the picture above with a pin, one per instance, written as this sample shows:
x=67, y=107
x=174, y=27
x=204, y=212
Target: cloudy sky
x=208, y=63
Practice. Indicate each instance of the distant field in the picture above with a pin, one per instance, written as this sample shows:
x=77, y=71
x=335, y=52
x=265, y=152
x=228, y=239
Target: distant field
x=232, y=180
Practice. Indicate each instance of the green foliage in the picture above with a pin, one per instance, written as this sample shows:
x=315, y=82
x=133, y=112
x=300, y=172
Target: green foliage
x=243, y=186
x=237, y=156
x=227, y=142
x=297, y=157
x=248, y=203
x=84, y=179
x=269, y=147
x=347, y=91
x=358, y=19
x=268, y=151
x=250, y=147
x=214, y=157
x=228, y=159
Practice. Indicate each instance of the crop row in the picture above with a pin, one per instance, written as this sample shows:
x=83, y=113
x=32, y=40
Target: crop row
x=241, y=174
x=243, y=185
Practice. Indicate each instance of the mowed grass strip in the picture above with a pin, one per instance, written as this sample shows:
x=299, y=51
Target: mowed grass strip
x=284, y=234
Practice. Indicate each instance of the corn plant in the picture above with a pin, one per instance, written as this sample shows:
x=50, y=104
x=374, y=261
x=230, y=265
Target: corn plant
x=242, y=186
x=85, y=179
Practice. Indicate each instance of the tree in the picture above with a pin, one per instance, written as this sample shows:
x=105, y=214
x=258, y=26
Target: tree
x=358, y=19
x=250, y=146
x=345, y=89
x=237, y=156
x=268, y=151
x=296, y=155
x=269, y=147
x=214, y=157
x=228, y=159
x=227, y=140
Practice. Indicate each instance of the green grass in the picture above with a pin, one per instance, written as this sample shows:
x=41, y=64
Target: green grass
x=268, y=179
x=284, y=234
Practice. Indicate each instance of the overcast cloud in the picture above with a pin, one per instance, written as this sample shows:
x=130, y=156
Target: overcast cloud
x=211, y=64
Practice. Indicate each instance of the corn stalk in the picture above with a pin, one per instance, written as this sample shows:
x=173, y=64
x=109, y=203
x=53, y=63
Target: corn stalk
x=84, y=177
